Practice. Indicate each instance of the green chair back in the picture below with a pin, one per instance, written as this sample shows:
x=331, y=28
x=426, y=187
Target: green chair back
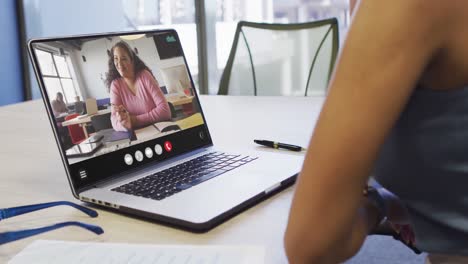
x=281, y=59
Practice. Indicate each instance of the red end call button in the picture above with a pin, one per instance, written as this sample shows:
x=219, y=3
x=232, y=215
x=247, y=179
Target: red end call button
x=168, y=146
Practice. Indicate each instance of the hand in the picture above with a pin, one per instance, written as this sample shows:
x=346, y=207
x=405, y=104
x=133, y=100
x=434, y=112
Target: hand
x=396, y=211
x=124, y=117
x=398, y=216
x=125, y=121
x=118, y=108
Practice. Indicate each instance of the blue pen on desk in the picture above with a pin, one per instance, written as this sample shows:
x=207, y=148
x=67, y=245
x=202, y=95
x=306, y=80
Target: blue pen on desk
x=277, y=145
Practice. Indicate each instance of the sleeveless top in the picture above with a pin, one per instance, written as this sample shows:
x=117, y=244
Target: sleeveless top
x=424, y=161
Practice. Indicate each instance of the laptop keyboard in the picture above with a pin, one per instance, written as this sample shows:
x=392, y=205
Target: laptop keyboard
x=183, y=176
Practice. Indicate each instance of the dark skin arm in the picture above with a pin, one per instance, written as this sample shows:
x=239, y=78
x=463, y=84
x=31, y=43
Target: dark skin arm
x=389, y=46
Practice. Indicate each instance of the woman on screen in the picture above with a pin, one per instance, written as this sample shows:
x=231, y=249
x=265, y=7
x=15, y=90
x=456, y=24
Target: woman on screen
x=135, y=95
x=397, y=110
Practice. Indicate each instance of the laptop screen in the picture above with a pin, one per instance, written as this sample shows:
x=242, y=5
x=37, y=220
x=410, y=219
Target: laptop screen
x=118, y=101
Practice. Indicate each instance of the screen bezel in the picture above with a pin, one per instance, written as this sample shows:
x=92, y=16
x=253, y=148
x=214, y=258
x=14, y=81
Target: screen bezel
x=76, y=189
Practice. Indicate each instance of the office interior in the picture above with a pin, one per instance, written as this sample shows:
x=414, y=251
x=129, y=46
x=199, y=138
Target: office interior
x=206, y=29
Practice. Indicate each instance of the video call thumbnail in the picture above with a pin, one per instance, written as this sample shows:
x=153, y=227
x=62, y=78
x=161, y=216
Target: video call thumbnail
x=110, y=93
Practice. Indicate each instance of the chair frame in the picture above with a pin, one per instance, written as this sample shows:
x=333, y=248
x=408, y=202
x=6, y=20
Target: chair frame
x=226, y=76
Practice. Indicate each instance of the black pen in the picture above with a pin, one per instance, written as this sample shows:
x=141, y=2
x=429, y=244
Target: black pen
x=277, y=145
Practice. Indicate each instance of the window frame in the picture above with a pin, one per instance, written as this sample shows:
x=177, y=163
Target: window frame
x=53, y=54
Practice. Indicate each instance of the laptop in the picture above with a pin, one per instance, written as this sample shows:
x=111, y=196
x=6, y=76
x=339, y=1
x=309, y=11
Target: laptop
x=177, y=178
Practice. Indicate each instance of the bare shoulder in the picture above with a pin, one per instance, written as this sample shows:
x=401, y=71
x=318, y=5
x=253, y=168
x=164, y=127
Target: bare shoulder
x=432, y=8
x=435, y=13
x=421, y=16
x=420, y=26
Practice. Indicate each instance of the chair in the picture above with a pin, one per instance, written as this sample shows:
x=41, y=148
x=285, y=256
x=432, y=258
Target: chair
x=77, y=134
x=173, y=110
x=281, y=59
x=101, y=122
x=163, y=89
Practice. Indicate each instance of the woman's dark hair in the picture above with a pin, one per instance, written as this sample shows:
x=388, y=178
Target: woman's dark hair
x=138, y=64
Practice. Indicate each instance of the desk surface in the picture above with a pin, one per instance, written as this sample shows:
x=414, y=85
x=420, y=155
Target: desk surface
x=32, y=172
x=84, y=119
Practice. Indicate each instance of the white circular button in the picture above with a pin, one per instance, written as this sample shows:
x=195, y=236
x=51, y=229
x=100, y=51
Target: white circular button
x=139, y=156
x=158, y=149
x=149, y=153
x=128, y=159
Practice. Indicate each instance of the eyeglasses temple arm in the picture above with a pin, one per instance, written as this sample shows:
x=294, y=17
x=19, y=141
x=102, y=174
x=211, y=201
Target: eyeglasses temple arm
x=15, y=235
x=14, y=211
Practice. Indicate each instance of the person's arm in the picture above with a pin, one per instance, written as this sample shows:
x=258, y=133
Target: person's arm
x=54, y=105
x=388, y=47
x=161, y=112
x=62, y=107
x=116, y=102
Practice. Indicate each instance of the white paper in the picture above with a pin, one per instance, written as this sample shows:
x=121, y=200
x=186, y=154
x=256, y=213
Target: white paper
x=146, y=133
x=51, y=252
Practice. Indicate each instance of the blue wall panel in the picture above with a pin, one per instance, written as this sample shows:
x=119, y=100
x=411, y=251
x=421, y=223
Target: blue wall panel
x=11, y=76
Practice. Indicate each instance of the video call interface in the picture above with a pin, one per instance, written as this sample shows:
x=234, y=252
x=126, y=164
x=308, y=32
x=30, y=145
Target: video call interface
x=112, y=93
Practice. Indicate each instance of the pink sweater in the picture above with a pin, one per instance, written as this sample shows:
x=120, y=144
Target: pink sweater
x=148, y=105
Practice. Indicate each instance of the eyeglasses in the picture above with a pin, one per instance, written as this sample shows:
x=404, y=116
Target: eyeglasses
x=7, y=237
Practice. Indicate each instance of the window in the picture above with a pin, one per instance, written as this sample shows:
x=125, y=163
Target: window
x=57, y=77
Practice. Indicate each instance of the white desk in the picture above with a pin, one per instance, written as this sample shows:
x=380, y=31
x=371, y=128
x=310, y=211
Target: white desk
x=85, y=118
x=32, y=172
